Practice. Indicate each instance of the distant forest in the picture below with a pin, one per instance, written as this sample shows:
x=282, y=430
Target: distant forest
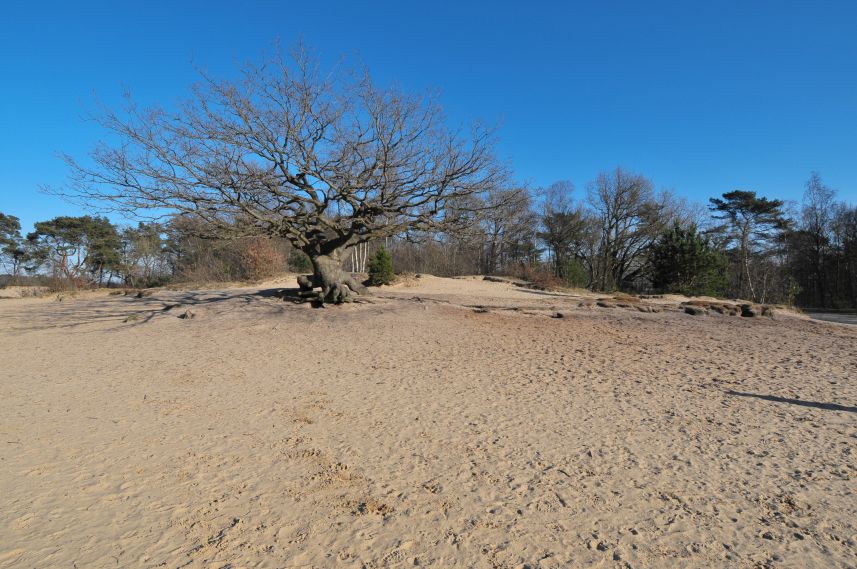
x=618, y=234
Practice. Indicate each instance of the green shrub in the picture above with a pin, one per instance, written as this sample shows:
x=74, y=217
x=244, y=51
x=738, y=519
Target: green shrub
x=575, y=275
x=684, y=261
x=381, y=268
x=299, y=262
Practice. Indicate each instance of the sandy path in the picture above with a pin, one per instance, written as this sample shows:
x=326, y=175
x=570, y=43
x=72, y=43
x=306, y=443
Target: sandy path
x=259, y=433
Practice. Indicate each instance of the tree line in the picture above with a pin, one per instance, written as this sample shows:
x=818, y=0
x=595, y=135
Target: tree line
x=620, y=234
x=74, y=252
x=293, y=166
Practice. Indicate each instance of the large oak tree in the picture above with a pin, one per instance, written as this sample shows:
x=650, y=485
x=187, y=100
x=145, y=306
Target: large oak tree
x=286, y=150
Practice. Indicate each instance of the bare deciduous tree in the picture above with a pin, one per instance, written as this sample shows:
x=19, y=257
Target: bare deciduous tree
x=817, y=221
x=506, y=221
x=565, y=226
x=631, y=216
x=359, y=257
x=287, y=151
x=845, y=235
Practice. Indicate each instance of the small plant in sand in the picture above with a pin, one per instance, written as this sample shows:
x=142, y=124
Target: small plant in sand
x=381, y=268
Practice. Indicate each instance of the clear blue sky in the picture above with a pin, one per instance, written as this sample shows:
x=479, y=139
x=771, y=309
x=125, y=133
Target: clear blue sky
x=703, y=97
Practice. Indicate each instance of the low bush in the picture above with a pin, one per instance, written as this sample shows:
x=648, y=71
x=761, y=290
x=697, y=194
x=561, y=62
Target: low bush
x=260, y=259
x=381, y=268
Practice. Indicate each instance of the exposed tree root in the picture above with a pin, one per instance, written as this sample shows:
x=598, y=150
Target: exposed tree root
x=336, y=285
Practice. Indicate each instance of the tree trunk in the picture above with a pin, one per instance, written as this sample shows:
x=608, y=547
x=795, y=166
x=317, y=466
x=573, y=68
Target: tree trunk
x=336, y=285
x=749, y=278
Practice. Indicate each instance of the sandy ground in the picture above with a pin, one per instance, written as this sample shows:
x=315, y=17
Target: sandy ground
x=420, y=429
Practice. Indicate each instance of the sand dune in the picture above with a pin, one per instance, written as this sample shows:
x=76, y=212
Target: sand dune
x=450, y=422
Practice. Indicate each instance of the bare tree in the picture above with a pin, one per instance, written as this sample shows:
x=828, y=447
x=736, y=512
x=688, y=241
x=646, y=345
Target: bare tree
x=359, y=257
x=817, y=221
x=505, y=220
x=564, y=227
x=286, y=151
x=143, y=259
x=845, y=236
x=630, y=217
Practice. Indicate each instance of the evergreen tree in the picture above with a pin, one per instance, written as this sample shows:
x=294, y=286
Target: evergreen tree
x=753, y=223
x=381, y=268
x=12, y=251
x=77, y=245
x=683, y=261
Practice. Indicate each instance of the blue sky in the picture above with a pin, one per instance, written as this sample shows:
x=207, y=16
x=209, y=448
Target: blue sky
x=702, y=97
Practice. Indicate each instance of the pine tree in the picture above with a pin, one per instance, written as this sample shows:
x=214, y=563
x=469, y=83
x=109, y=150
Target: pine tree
x=381, y=268
x=683, y=261
x=752, y=223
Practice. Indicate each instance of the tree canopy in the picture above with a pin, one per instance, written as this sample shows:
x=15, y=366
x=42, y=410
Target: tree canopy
x=752, y=222
x=76, y=245
x=12, y=250
x=684, y=261
x=290, y=151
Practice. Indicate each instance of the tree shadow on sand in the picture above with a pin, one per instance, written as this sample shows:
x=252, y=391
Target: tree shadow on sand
x=802, y=403
x=136, y=311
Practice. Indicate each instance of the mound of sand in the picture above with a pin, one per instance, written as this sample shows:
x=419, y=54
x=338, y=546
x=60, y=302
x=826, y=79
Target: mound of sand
x=23, y=291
